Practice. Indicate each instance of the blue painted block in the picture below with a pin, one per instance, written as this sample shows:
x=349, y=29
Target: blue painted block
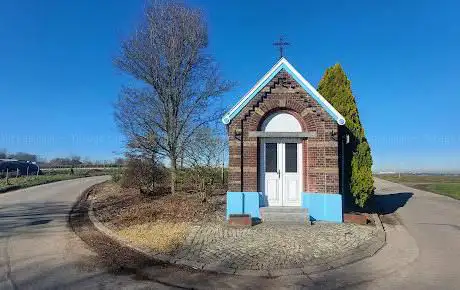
x=323, y=206
x=251, y=203
x=333, y=209
x=244, y=202
x=234, y=203
x=314, y=203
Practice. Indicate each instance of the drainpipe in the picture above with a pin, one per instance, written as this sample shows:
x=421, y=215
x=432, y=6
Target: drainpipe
x=345, y=138
x=241, y=157
x=324, y=155
x=343, y=166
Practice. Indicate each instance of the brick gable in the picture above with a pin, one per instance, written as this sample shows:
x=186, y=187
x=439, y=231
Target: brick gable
x=320, y=153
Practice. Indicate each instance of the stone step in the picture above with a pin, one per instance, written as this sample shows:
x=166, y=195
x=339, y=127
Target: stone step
x=295, y=215
x=287, y=209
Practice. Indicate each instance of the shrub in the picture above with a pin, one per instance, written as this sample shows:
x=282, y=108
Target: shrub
x=201, y=180
x=144, y=175
x=116, y=176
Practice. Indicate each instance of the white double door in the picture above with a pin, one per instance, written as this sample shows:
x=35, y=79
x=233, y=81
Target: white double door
x=281, y=168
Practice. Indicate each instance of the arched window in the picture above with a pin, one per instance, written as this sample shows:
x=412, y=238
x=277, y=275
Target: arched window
x=281, y=122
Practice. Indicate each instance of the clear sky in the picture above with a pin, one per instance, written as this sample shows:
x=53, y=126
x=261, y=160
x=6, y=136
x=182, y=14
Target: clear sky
x=58, y=83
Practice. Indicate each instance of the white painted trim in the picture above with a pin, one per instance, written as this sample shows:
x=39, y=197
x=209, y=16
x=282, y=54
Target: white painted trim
x=314, y=91
x=255, y=87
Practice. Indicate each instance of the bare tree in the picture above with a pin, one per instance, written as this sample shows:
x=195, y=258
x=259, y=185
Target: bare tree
x=166, y=53
x=119, y=161
x=75, y=160
x=204, y=156
x=205, y=149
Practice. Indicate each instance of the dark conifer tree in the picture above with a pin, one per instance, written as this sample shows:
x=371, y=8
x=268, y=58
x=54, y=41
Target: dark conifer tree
x=336, y=88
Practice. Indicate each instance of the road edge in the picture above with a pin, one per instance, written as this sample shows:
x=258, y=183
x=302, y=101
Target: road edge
x=14, y=188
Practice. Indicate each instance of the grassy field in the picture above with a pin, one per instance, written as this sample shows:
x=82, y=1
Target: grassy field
x=441, y=184
x=15, y=183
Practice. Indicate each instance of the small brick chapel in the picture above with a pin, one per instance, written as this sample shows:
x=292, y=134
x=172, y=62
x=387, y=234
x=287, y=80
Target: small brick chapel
x=284, y=148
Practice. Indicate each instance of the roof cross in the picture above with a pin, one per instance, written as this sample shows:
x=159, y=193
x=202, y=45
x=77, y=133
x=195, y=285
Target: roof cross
x=281, y=44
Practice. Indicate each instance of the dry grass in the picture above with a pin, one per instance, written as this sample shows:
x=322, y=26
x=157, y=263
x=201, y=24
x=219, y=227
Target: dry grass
x=159, y=222
x=120, y=207
x=162, y=237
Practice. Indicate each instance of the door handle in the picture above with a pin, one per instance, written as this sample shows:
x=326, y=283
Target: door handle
x=278, y=173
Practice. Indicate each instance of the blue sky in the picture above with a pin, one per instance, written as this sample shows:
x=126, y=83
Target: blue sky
x=401, y=56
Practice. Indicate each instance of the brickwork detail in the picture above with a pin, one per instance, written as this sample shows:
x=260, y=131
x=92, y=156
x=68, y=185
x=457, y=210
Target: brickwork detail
x=320, y=154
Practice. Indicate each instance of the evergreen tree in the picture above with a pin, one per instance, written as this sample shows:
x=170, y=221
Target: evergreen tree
x=336, y=88
x=362, y=183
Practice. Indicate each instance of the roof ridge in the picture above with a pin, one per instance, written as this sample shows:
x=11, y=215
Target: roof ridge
x=283, y=64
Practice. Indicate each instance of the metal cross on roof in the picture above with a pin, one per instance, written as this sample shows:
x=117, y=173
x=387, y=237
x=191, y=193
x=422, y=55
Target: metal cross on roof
x=281, y=43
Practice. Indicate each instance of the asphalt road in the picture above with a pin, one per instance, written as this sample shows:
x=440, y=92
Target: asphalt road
x=434, y=221
x=39, y=251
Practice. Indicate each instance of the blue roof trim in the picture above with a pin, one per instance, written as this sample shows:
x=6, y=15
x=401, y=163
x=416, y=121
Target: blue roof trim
x=283, y=64
x=259, y=88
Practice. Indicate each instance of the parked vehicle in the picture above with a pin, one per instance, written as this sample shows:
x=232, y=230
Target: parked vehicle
x=20, y=167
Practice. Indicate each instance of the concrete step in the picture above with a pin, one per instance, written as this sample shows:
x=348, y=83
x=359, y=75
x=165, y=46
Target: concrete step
x=296, y=215
x=281, y=209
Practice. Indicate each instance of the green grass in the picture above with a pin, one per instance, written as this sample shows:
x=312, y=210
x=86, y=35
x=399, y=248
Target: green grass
x=448, y=185
x=15, y=183
x=449, y=189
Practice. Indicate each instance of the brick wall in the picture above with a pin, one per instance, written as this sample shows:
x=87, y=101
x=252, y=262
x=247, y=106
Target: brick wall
x=320, y=154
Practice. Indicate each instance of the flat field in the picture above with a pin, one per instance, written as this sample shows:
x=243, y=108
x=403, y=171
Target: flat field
x=441, y=184
x=49, y=176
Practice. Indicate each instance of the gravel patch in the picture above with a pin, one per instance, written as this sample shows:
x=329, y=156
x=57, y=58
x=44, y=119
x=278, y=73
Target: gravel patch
x=273, y=246
x=211, y=244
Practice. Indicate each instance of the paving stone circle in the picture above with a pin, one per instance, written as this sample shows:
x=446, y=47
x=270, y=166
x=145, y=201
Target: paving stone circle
x=272, y=246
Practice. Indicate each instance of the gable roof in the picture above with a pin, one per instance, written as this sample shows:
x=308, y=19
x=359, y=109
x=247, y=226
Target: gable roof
x=283, y=64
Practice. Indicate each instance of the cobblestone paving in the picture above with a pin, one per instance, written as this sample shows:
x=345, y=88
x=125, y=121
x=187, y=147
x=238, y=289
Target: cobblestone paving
x=268, y=246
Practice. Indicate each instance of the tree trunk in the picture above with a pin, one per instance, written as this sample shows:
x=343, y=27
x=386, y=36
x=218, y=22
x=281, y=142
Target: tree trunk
x=153, y=171
x=173, y=175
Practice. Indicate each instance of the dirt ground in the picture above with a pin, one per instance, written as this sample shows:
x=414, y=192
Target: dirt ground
x=160, y=222
x=117, y=259
x=124, y=207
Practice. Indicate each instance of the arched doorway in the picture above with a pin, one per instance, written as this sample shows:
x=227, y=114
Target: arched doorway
x=280, y=161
